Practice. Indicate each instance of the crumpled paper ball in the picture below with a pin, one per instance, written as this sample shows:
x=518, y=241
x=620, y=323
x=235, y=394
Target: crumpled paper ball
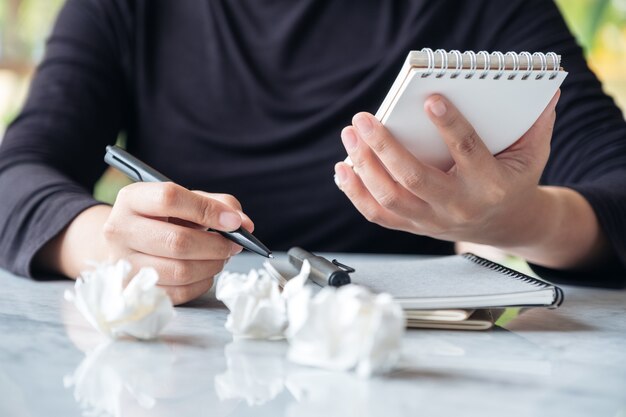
x=257, y=307
x=345, y=328
x=139, y=309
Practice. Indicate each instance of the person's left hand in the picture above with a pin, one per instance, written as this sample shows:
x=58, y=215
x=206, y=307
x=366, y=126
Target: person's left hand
x=482, y=198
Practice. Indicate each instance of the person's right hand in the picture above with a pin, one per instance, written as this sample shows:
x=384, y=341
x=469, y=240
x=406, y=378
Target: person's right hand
x=163, y=225
x=160, y=225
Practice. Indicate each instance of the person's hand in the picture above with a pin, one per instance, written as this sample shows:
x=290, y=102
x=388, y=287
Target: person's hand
x=482, y=198
x=160, y=225
x=163, y=225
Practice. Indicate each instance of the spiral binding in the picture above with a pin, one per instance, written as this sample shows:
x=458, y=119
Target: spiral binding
x=529, y=64
x=523, y=63
x=514, y=274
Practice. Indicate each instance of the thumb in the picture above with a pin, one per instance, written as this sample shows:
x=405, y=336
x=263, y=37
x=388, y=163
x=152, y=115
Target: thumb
x=532, y=150
x=539, y=136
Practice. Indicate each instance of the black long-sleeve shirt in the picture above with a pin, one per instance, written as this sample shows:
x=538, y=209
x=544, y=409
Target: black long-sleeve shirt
x=248, y=97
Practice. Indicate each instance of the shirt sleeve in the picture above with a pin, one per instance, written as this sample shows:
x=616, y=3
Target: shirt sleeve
x=588, y=151
x=51, y=155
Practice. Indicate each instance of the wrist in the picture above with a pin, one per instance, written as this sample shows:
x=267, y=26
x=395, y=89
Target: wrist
x=526, y=222
x=558, y=229
x=537, y=219
x=81, y=241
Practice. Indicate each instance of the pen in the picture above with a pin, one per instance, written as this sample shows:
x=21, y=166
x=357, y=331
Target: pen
x=323, y=272
x=139, y=171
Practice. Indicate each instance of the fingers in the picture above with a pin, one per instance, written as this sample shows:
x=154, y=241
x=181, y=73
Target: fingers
x=163, y=225
x=166, y=240
x=423, y=181
x=365, y=203
x=387, y=192
x=231, y=201
x=475, y=198
x=465, y=146
x=183, y=293
x=541, y=129
x=227, y=199
x=531, y=152
x=177, y=272
x=171, y=200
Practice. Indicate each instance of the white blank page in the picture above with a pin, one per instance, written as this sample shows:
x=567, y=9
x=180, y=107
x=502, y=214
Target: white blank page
x=500, y=110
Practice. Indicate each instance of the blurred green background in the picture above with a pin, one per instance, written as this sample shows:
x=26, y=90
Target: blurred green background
x=600, y=26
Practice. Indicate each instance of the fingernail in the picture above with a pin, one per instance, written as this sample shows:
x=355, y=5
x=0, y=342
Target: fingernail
x=438, y=108
x=363, y=124
x=229, y=221
x=349, y=140
x=340, y=174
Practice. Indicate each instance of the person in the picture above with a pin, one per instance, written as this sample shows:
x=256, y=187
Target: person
x=248, y=99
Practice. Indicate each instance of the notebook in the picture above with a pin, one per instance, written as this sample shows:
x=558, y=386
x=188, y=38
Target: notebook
x=483, y=319
x=501, y=95
x=451, y=282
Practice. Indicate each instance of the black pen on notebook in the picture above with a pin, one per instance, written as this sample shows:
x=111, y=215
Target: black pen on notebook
x=140, y=171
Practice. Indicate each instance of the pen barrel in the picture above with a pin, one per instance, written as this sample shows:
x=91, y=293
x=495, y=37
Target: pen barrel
x=245, y=239
x=339, y=278
x=323, y=272
x=137, y=170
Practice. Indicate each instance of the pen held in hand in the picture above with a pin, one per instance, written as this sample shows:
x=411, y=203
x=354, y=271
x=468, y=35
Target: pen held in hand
x=140, y=171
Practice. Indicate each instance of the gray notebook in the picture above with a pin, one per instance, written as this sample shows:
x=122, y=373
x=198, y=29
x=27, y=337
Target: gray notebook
x=461, y=281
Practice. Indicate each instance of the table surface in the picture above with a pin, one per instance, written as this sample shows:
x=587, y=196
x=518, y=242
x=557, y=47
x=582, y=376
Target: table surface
x=570, y=361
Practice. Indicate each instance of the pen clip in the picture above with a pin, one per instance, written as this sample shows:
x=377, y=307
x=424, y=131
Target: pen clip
x=343, y=267
x=129, y=169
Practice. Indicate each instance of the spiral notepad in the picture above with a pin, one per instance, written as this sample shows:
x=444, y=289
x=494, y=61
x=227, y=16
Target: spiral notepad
x=451, y=282
x=460, y=281
x=500, y=94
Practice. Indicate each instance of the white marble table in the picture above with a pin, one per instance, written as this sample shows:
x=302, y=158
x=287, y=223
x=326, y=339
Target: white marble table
x=565, y=362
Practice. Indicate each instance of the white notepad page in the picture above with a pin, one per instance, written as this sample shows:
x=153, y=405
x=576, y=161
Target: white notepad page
x=500, y=110
x=452, y=282
x=449, y=282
